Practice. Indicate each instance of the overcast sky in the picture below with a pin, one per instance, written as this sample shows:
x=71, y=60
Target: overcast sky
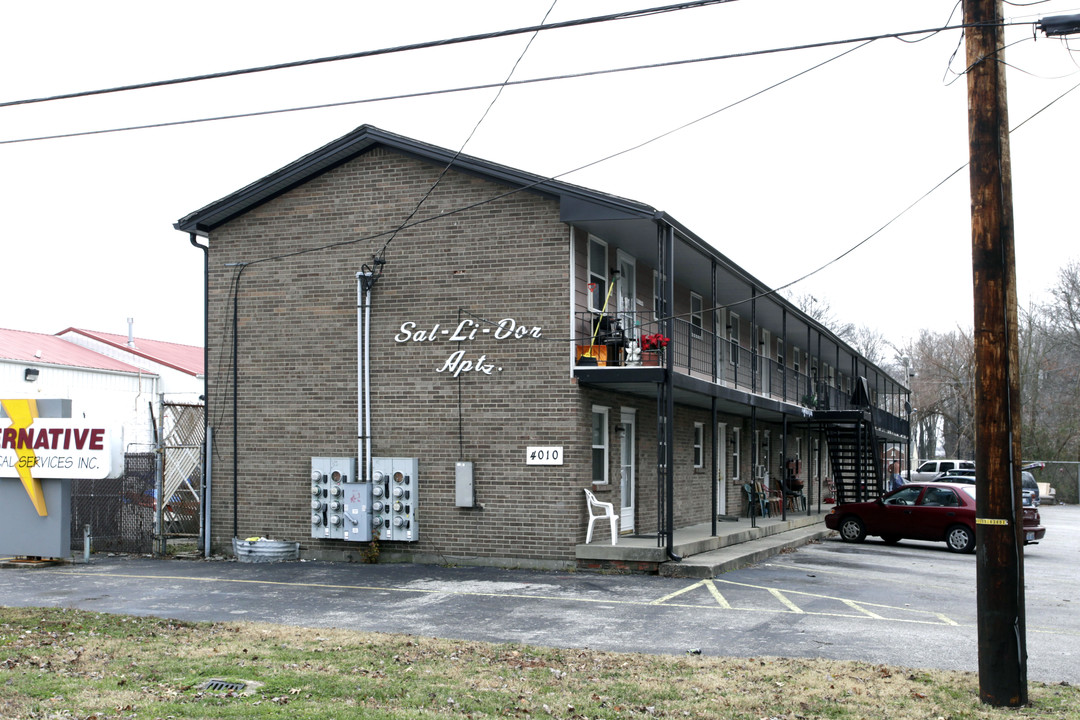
x=782, y=183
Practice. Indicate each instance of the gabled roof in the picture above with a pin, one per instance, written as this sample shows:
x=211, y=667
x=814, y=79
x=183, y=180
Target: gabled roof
x=185, y=358
x=367, y=137
x=39, y=349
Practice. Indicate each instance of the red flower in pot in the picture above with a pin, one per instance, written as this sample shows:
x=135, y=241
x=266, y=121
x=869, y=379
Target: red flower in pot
x=656, y=341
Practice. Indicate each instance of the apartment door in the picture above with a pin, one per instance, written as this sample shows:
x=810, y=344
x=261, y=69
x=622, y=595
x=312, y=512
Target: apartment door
x=626, y=470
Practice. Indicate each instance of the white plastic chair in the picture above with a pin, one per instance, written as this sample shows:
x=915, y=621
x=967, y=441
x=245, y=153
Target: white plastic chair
x=608, y=513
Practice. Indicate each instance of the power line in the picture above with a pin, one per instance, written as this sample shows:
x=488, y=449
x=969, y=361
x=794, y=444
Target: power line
x=373, y=53
x=541, y=181
x=502, y=86
x=487, y=86
x=766, y=293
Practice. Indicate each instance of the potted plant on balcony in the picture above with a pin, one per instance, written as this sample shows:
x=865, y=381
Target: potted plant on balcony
x=652, y=347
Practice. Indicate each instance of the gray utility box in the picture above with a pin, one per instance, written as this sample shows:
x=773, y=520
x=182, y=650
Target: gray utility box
x=357, y=525
x=395, y=494
x=464, y=488
x=329, y=477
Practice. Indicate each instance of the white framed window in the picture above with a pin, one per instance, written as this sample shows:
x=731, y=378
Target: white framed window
x=697, y=322
x=736, y=453
x=795, y=364
x=598, y=273
x=699, y=445
x=733, y=337
x=780, y=352
x=600, y=445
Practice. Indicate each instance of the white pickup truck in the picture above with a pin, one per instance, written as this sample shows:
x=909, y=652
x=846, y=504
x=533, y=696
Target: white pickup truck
x=934, y=468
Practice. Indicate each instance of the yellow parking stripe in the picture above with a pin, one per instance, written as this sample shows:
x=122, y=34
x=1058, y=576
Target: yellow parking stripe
x=716, y=594
x=722, y=603
x=677, y=593
x=790, y=605
x=854, y=605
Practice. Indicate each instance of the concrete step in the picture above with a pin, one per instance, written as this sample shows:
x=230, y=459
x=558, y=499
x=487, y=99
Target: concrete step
x=733, y=557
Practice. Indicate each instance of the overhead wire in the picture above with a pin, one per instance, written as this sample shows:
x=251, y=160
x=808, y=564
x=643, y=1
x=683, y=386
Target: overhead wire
x=380, y=256
x=486, y=86
x=863, y=40
x=629, y=14
x=841, y=256
x=543, y=180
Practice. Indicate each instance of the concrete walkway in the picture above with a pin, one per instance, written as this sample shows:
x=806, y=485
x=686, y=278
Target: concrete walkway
x=736, y=544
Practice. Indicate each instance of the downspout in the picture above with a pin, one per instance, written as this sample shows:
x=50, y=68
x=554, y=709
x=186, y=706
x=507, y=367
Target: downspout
x=714, y=419
x=669, y=382
x=787, y=349
x=365, y=281
x=205, y=490
x=236, y=397
x=363, y=400
x=755, y=349
x=784, y=471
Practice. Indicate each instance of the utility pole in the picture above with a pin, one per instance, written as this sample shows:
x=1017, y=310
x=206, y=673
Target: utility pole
x=999, y=522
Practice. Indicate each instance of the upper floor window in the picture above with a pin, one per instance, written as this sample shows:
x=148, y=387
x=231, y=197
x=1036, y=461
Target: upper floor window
x=696, y=321
x=598, y=273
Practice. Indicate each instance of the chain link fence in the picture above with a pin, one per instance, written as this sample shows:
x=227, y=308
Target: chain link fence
x=119, y=511
x=1063, y=477
x=122, y=513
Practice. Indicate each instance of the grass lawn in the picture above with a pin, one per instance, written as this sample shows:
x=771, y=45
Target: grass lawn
x=57, y=663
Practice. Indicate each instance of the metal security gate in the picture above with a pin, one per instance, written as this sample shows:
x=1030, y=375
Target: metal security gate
x=182, y=436
x=118, y=511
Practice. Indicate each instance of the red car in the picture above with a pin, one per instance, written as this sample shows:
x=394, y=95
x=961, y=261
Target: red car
x=933, y=511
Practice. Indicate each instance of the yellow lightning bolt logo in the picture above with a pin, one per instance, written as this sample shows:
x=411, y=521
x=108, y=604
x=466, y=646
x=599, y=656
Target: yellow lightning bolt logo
x=22, y=414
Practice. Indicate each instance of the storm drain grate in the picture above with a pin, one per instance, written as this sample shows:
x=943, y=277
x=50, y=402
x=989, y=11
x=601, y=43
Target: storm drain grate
x=224, y=686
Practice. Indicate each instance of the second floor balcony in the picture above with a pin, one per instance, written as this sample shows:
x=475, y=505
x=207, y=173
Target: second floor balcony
x=632, y=340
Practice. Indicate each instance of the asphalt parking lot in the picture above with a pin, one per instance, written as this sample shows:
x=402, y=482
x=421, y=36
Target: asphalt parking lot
x=912, y=604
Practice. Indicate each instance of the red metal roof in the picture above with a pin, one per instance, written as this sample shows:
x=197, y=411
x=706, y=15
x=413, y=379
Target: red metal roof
x=185, y=358
x=29, y=347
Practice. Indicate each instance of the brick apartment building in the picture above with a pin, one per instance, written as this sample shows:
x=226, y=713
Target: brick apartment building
x=491, y=337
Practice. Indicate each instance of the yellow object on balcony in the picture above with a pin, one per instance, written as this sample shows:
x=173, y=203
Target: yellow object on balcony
x=592, y=355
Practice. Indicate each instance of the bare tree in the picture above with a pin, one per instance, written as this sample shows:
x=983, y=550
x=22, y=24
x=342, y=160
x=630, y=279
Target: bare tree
x=870, y=343
x=1049, y=372
x=943, y=393
x=820, y=309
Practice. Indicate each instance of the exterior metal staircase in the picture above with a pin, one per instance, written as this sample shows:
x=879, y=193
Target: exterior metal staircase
x=855, y=454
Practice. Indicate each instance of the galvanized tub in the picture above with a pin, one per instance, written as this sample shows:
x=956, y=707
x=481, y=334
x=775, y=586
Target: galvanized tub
x=260, y=550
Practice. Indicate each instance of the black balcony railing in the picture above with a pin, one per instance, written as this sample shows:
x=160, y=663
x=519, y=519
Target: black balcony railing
x=606, y=341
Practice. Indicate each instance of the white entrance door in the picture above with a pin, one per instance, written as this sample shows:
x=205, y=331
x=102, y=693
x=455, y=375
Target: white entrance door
x=721, y=468
x=626, y=467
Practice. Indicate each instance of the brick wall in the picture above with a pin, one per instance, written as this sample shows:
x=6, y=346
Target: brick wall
x=504, y=264
x=504, y=260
